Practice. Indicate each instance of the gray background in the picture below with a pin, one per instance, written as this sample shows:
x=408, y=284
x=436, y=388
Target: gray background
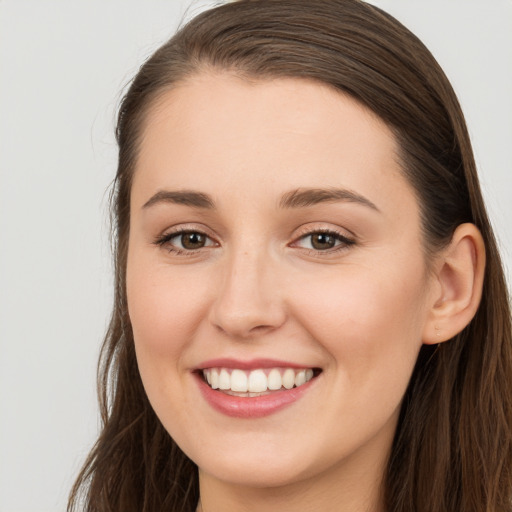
x=63, y=65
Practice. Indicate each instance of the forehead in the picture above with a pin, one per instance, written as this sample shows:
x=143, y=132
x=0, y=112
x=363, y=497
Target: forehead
x=221, y=133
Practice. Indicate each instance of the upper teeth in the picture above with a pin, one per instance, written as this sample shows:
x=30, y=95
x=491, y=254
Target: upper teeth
x=256, y=381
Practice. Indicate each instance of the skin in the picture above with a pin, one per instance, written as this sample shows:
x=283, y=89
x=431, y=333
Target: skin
x=258, y=288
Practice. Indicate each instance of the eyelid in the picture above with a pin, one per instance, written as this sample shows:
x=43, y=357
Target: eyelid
x=164, y=238
x=346, y=239
x=322, y=227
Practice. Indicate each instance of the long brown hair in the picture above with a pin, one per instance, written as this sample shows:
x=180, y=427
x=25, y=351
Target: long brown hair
x=452, y=450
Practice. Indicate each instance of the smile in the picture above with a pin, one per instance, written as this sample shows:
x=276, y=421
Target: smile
x=258, y=382
x=253, y=389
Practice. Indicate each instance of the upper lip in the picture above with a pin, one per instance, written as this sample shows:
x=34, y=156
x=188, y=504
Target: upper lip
x=251, y=364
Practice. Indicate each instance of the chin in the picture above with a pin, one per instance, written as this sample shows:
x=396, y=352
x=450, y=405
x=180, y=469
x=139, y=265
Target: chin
x=257, y=473
x=261, y=461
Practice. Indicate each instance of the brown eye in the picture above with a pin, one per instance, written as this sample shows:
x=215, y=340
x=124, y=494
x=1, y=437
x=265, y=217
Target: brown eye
x=322, y=241
x=184, y=241
x=193, y=240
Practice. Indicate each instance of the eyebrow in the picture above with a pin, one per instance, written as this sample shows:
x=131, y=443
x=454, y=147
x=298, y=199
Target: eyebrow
x=184, y=197
x=303, y=197
x=298, y=198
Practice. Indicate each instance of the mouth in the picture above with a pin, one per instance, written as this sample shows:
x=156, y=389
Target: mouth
x=253, y=389
x=258, y=382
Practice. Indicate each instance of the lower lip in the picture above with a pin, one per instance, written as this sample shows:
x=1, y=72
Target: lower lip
x=251, y=407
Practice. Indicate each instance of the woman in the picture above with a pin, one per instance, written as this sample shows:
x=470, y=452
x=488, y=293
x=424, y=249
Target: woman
x=310, y=309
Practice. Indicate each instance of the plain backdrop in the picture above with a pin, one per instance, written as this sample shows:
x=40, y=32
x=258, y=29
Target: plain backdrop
x=63, y=66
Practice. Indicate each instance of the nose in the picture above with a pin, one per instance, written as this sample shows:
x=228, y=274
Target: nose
x=248, y=302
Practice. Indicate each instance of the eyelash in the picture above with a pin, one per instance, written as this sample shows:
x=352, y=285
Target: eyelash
x=345, y=242
x=163, y=241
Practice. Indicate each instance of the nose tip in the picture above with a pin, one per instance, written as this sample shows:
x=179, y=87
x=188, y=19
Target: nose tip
x=244, y=323
x=249, y=303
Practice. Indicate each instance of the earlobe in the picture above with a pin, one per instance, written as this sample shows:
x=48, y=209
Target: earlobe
x=459, y=275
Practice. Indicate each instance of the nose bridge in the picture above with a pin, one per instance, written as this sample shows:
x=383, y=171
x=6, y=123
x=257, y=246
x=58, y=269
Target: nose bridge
x=248, y=300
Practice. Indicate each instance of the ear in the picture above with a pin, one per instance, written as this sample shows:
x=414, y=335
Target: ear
x=457, y=285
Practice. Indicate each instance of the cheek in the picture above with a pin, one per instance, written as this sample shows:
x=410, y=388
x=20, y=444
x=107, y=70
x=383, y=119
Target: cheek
x=367, y=319
x=370, y=324
x=165, y=310
x=162, y=307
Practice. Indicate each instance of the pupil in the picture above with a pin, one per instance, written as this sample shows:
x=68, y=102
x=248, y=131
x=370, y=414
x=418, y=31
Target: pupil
x=192, y=240
x=323, y=241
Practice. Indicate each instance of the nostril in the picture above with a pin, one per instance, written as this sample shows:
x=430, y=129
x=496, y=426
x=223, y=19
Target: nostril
x=247, y=302
x=247, y=324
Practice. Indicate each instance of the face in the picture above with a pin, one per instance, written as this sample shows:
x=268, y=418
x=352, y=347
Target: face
x=275, y=250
